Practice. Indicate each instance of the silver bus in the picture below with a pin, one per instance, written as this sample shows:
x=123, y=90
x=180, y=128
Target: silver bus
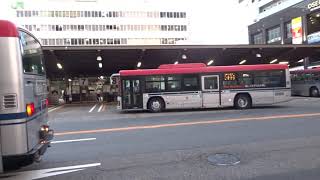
x=306, y=82
x=196, y=85
x=25, y=134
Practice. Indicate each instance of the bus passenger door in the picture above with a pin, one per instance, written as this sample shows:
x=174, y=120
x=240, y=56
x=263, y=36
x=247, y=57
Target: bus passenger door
x=210, y=91
x=132, y=94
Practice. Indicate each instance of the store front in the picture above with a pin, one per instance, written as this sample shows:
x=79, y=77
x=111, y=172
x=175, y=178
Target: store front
x=313, y=23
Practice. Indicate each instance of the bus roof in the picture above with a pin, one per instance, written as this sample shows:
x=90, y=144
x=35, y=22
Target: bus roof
x=317, y=69
x=186, y=65
x=207, y=69
x=8, y=29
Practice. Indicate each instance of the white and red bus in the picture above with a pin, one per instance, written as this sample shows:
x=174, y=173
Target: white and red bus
x=306, y=82
x=196, y=85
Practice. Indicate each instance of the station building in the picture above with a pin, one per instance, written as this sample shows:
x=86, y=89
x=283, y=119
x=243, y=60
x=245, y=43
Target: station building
x=102, y=22
x=280, y=22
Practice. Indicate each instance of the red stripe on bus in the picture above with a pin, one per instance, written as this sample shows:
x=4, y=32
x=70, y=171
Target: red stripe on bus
x=209, y=69
x=8, y=29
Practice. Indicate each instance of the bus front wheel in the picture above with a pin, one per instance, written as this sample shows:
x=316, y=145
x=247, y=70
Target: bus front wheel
x=243, y=101
x=156, y=105
x=314, y=92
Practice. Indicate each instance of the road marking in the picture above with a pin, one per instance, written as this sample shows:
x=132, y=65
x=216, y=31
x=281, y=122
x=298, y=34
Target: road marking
x=93, y=108
x=38, y=174
x=73, y=140
x=101, y=106
x=130, y=128
x=104, y=107
x=54, y=109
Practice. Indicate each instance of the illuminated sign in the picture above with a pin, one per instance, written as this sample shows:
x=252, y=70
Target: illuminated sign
x=314, y=5
x=296, y=30
x=314, y=38
x=229, y=76
x=17, y=5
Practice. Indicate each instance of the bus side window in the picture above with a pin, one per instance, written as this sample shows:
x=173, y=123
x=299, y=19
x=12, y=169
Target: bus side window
x=32, y=56
x=245, y=78
x=191, y=83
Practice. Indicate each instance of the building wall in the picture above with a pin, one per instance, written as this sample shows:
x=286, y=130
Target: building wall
x=93, y=22
x=259, y=9
x=281, y=19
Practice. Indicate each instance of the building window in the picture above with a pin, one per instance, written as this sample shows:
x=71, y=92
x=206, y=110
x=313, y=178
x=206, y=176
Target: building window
x=109, y=41
x=273, y=35
x=123, y=41
x=162, y=14
x=257, y=38
x=116, y=41
x=288, y=32
x=103, y=41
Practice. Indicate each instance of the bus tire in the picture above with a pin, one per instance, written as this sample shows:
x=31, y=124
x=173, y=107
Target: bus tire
x=243, y=101
x=314, y=92
x=156, y=105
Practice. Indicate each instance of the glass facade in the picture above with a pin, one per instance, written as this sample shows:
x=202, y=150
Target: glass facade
x=273, y=35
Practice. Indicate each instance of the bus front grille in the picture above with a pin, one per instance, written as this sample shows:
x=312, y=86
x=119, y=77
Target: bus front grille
x=9, y=101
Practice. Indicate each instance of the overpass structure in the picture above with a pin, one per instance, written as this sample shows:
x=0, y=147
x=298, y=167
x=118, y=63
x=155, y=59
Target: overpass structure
x=84, y=60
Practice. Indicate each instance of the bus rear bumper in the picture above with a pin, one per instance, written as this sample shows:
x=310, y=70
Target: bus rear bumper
x=20, y=160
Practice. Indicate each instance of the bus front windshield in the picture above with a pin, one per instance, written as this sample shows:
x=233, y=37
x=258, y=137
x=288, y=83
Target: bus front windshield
x=32, y=56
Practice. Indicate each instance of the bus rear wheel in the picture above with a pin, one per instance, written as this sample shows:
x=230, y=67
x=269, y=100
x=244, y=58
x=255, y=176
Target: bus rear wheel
x=156, y=105
x=243, y=101
x=314, y=92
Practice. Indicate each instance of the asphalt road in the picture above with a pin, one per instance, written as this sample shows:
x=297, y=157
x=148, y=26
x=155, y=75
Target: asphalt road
x=272, y=142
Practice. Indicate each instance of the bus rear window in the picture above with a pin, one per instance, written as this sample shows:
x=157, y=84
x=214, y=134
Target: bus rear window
x=32, y=56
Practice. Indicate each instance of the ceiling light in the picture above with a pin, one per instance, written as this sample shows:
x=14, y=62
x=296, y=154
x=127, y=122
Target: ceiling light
x=184, y=56
x=139, y=64
x=210, y=62
x=100, y=65
x=284, y=62
x=176, y=62
x=59, y=65
x=273, y=61
x=301, y=60
x=243, y=61
x=99, y=58
x=69, y=80
x=258, y=55
x=101, y=77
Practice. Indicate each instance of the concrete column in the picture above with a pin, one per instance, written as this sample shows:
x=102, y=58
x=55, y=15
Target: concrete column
x=264, y=35
x=306, y=62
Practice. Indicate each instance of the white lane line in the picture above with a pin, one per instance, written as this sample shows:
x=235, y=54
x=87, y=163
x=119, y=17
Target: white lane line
x=42, y=173
x=73, y=140
x=56, y=108
x=100, y=107
x=92, y=108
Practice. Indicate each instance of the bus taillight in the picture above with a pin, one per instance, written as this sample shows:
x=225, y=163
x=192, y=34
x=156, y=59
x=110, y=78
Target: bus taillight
x=47, y=103
x=30, y=109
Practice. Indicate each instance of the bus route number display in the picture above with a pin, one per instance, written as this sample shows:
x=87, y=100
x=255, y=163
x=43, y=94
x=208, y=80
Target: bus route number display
x=229, y=76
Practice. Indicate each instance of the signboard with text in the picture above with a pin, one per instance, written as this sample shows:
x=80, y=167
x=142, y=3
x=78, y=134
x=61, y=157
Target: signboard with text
x=314, y=38
x=314, y=5
x=296, y=30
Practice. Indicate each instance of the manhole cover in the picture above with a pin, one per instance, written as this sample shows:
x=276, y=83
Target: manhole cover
x=222, y=159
